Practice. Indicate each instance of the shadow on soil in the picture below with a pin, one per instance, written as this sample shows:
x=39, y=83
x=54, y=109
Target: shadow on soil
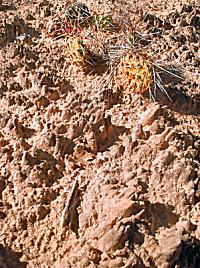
x=179, y=102
x=104, y=143
x=12, y=32
x=11, y=259
x=171, y=81
x=99, y=67
x=7, y=7
x=190, y=254
x=161, y=215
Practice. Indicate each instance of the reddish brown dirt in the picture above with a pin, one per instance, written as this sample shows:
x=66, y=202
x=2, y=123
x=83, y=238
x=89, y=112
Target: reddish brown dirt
x=134, y=164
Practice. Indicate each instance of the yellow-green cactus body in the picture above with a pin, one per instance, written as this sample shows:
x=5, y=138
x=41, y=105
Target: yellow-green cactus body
x=78, y=51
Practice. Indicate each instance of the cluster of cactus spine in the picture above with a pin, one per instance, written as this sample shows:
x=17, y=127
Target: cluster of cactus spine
x=77, y=20
x=133, y=72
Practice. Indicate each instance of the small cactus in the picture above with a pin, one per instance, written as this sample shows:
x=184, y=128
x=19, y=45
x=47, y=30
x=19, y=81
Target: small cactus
x=78, y=51
x=134, y=74
x=78, y=15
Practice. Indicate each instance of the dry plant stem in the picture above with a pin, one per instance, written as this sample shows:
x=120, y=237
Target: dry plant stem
x=67, y=214
x=154, y=79
x=151, y=95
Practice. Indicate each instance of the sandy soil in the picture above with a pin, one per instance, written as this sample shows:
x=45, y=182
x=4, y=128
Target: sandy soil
x=88, y=176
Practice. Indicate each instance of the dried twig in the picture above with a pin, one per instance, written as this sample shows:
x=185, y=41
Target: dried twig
x=67, y=214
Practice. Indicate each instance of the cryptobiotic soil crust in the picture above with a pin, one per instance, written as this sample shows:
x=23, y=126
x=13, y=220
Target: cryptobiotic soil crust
x=90, y=177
